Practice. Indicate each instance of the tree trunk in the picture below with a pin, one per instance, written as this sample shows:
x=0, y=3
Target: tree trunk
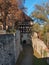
x=4, y=25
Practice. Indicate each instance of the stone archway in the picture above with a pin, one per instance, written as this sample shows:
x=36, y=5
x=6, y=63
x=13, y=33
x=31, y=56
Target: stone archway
x=24, y=41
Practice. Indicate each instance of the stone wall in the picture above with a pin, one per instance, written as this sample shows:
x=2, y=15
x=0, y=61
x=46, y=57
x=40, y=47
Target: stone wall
x=9, y=49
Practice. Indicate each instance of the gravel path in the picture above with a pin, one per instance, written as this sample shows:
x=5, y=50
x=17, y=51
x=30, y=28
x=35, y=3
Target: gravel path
x=28, y=55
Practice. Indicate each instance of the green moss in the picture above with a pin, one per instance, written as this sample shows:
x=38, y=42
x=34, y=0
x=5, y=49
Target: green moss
x=11, y=31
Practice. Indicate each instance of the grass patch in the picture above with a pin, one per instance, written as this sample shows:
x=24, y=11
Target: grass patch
x=37, y=60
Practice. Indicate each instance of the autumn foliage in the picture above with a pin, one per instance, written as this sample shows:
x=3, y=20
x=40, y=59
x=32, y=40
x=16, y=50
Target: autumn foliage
x=10, y=12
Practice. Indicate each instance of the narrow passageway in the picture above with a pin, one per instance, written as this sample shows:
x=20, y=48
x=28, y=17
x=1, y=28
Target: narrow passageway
x=28, y=55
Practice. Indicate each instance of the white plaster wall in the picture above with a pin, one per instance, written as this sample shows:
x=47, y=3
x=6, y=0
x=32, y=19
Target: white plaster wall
x=17, y=45
x=26, y=37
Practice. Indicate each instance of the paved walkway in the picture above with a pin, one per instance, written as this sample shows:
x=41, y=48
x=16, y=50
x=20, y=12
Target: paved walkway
x=28, y=56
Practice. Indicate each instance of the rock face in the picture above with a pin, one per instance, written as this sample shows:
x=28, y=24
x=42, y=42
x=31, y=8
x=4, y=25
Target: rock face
x=9, y=49
x=40, y=47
